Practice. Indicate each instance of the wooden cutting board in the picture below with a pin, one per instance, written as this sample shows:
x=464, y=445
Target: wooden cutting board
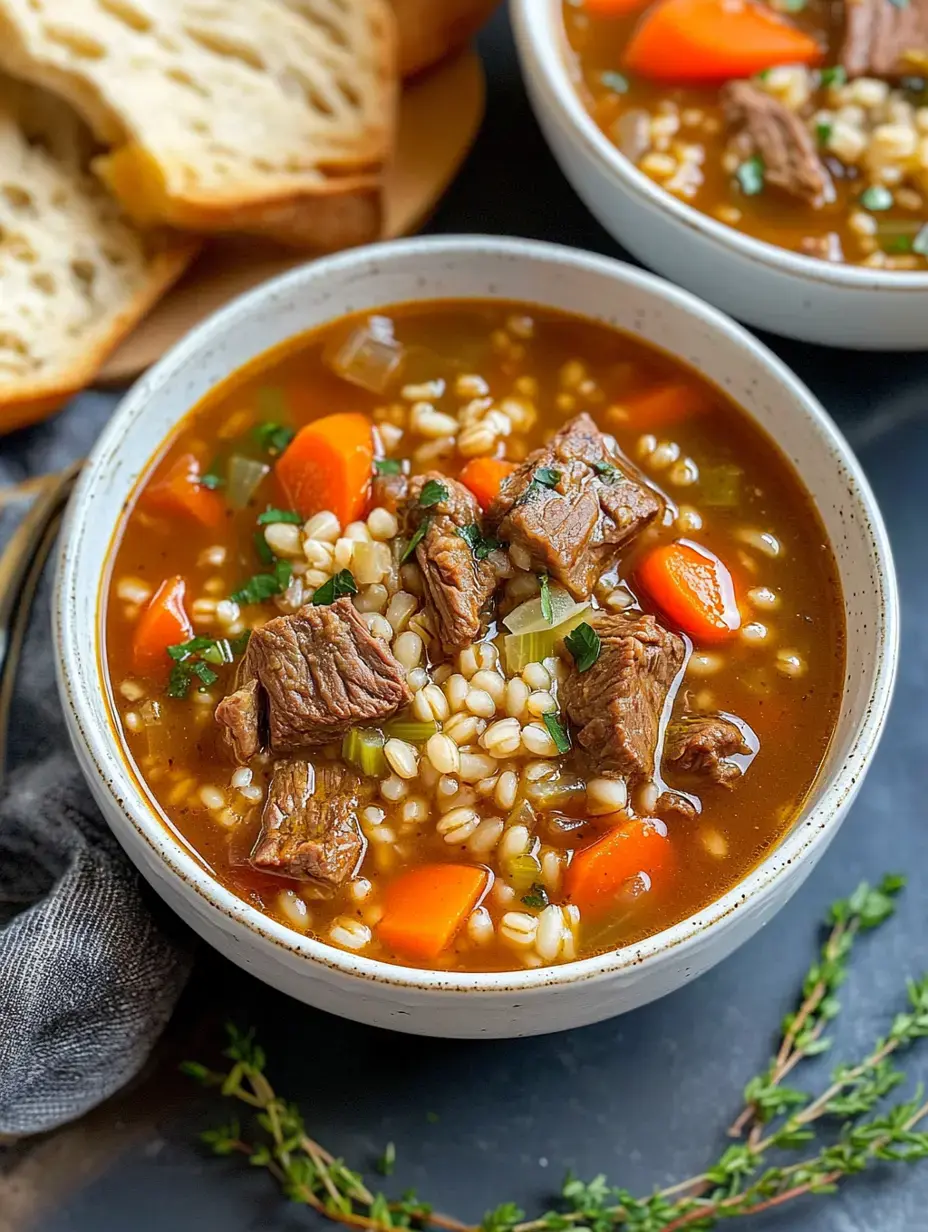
x=440, y=114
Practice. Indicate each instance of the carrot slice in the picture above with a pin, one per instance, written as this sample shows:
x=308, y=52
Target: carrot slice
x=598, y=873
x=665, y=405
x=180, y=493
x=328, y=464
x=713, y=40
x=163, y=623
x=483, y=477
x=694, y=588
x=425, y=907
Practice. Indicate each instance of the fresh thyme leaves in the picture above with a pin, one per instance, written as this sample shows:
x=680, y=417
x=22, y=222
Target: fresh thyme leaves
x=584, y=645
x=557, y=731
x=196, y=658
x=480, y=545
x=417, y=538
x=279, y=515
x=264, y=585
x=744, y=1180
x=433, y=493
x=273, y=437
x=536, y=897
x=388, y=466
x=547, y=609
x=336, y=587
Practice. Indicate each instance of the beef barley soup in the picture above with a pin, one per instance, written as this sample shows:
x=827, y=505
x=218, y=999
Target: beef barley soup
x=474, y=636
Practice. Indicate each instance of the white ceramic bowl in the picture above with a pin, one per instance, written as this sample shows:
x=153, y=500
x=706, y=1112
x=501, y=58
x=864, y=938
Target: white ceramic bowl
x=438, y=1003
x=767, y=286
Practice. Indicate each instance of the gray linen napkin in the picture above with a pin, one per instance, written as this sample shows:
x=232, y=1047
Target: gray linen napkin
x=90, y=964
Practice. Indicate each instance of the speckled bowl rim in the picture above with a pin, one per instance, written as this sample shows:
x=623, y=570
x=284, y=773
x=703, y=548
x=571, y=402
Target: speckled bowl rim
x=541, y=23
x=104, y=754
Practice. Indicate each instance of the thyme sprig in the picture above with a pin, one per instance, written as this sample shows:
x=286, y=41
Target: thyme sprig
x=750, y=1176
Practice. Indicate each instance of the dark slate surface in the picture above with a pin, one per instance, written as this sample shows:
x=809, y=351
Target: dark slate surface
x=644, y=1098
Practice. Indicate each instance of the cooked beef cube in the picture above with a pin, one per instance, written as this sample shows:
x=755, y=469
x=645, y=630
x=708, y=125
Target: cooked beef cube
x=674, y=806
x=573, y=504
x=322, y=672
x=309, y=829
x=879, y=33
x=458, y=583
x=769, y=129
x=617, y=703
x=389, y=491
x=241, y=715
x=702, y=744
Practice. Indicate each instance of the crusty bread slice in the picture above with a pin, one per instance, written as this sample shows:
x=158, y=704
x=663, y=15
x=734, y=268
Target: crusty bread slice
x=221, y=115
x=430, y=30
x=74, y=276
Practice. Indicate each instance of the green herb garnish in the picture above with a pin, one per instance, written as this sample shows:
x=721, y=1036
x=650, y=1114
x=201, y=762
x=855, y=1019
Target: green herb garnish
x=606, y=470
x=836, y=75
x=387, y=1160
x=616, y=82
x=263, y=549
x=211, y=478
x=336, y=587
x=480, y=545
x=264, y=585
x=750, y=176
x=388, y=466
x=584, y=645
x=780, y=1156
x=823, y=133
x=899, y=4
x=417, y=538
x=537, y=896
x=547, y=476
x=433, y=493
x=557, y=731
x=196, y=658
x=273, y=437
x=271, y=516
x=876, y=198
x=547, y=610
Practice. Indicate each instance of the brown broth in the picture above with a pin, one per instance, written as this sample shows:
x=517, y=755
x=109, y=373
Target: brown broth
x=793, y=717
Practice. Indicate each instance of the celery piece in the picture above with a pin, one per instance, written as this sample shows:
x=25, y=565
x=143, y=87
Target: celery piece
x=410, y=730
x=363, y=747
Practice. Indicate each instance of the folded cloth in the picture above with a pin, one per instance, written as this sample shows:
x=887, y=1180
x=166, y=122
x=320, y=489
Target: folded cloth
x=90, y=964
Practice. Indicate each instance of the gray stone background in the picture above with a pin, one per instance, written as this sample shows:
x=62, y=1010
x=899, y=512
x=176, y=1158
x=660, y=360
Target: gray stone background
x=644, y=1098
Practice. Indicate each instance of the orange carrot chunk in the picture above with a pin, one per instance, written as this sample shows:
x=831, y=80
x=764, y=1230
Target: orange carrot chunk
x=694, y=588
x=163, y=623
x=180, y=493
x=715, y=40
x=668, y=404
x=600, y=873
x=327, y=465
x=424, y=908
x=483, y=477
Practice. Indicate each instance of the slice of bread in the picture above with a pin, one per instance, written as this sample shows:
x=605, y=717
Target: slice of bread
x=223, y=115
x=74, y=276
x=430, y=30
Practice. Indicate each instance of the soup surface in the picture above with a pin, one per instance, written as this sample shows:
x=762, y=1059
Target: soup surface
x=803, y=123
x=474, y=636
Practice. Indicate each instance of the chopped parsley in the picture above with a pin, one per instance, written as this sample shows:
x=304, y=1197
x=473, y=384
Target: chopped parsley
x=606, y=470
x=273, y=437
x=336, y=587
x=265, y=585
x=547, y=609
x=480, y=545
x=750, y=176
x=823, y=133
x=557, y=732
x=876, y=198
x=834, y=76
x=433, y=493
x=388, y=466
x=416, y=539
x=194, y=660
x=547, y=477
x=279, y=515
x=616, y=82
x=537, y=896
x=584, y=645
x=211, y=477
x=263, y=549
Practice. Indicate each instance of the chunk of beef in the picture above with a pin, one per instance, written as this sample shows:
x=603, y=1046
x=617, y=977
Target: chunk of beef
x=309, y=829
x=459, y=578
x=769, y=129
x=879, y=34
x=585, y=506
x=703, y=744
x=241, y=716
x=674, y=806
x=389, y=491
x=321, y=671
x=617, y=703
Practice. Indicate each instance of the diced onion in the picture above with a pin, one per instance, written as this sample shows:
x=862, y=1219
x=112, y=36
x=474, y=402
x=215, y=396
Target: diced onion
x=369, y=357
x=245, y=477
x=528, y=617
x=555, y=793
x=721, y=486
x=523, y=648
